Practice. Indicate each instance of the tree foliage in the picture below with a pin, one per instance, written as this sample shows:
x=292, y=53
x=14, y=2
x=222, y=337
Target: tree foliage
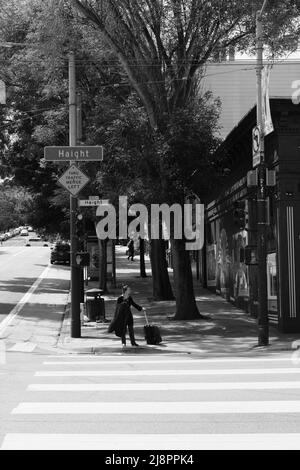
x=162, y=44
x=15, y=206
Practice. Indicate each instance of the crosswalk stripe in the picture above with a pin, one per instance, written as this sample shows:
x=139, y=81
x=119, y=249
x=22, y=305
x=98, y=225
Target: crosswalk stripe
x=151, y=441
x=163, y=361
x=219, y=407
x=144, y=359
x=163, y=386
x=23, y=347
x=185, y=372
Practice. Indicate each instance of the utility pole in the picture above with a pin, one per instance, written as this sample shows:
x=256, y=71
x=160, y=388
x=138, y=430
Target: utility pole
x=263, y=320
x=75, y=270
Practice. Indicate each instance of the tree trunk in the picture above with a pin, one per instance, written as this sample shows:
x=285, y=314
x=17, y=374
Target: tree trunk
x=103, y=265
x=162, y=289
x=142, y=258
x=186, y=307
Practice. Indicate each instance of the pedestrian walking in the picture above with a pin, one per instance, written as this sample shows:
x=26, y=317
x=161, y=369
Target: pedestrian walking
x=123, y=318
x=130, y=247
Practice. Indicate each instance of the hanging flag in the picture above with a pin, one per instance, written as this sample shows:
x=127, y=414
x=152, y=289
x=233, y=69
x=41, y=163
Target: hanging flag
x=2, y=92
x=266, y=110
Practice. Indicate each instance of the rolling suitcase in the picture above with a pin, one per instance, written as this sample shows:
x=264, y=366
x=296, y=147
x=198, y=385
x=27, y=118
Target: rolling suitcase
x=152, y=333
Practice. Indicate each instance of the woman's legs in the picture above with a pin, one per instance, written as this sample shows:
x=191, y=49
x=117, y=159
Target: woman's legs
x=131, y=335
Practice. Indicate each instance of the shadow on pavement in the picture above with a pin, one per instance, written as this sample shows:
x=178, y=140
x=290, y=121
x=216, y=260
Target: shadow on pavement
x=23, y=284
x=228, y=330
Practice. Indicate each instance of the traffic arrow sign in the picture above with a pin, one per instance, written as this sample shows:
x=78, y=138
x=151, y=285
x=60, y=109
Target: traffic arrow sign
x=79, y=154
x=74, y=180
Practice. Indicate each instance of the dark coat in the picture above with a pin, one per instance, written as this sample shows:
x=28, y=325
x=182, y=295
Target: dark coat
x=130, y=246
x=123, y=316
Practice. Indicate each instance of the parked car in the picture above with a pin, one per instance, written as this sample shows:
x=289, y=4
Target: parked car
x=36, y=241
x=30, y=229
x=60, y=253
x=24, y=232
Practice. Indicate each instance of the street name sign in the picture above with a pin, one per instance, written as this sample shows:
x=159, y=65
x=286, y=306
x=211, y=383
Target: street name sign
x=256, y=146
x=74, y=180
x=69, y=154
x=93, y=202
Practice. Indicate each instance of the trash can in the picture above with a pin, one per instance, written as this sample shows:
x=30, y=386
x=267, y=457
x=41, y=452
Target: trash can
x=95, y=308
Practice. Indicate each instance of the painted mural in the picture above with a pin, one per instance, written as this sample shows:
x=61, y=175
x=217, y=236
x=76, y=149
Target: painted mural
x=223, y=264
x=239, y=269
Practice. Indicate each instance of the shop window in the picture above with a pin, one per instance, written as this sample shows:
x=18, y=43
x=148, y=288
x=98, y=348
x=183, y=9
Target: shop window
x=272, y=282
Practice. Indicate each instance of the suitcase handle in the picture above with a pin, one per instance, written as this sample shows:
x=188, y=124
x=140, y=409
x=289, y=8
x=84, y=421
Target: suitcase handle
x=146, y=318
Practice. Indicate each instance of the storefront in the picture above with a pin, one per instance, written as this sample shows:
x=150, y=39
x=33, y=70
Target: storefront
x=226, y=270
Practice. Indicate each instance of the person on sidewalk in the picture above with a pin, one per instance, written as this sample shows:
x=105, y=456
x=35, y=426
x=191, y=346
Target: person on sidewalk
x=123, y=318
x=130, y=247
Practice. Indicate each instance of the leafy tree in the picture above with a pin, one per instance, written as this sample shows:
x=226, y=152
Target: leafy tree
x=36, y=113
x=15, y=206
x=163, y=46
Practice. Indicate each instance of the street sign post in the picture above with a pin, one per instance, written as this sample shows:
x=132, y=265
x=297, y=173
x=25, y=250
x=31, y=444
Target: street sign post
x=74, y=180
x=78, y=154
x=256, y=146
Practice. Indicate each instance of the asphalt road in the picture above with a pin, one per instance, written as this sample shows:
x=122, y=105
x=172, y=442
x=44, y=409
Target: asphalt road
x=133, y=402
x=129, y=401
x=20, y=266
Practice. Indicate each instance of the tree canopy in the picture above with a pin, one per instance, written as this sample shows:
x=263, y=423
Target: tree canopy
x=162, y=44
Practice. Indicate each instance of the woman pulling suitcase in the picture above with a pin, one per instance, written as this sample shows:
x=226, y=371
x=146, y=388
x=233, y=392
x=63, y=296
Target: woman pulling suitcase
x=123, y=318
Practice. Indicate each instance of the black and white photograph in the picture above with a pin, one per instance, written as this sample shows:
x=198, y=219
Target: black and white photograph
x=149, y=228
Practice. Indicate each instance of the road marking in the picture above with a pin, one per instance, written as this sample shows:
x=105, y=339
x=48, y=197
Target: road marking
x=151, y=441
x=161, y=361
x=132, y=408
x=121, y=387
x=17, y=309
x=23, y=347
x=132, y=373
x=20, y=252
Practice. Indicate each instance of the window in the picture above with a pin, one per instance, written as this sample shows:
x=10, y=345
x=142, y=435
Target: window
x=272, y=276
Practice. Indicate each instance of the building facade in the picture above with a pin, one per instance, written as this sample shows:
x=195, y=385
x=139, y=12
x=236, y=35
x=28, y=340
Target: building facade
x=234, y=82
x=224, y=267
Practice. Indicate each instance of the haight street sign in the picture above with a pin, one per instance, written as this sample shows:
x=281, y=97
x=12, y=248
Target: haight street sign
x=93, y=202
x=74, y=180
x=69, y=154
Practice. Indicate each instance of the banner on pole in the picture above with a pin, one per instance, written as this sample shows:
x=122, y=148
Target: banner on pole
x=266, y=110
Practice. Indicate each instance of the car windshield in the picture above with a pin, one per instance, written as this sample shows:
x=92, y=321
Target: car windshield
x=63, y=247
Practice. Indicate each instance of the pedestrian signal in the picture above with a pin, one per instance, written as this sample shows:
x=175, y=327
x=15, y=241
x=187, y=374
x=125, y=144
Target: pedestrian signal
x=82, y=259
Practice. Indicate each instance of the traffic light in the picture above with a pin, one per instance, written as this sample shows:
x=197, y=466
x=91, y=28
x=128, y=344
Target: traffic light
x=80, y=227
x=240, y=215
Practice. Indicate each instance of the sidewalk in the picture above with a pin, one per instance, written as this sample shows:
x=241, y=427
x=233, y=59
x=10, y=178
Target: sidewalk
x=230, y=330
